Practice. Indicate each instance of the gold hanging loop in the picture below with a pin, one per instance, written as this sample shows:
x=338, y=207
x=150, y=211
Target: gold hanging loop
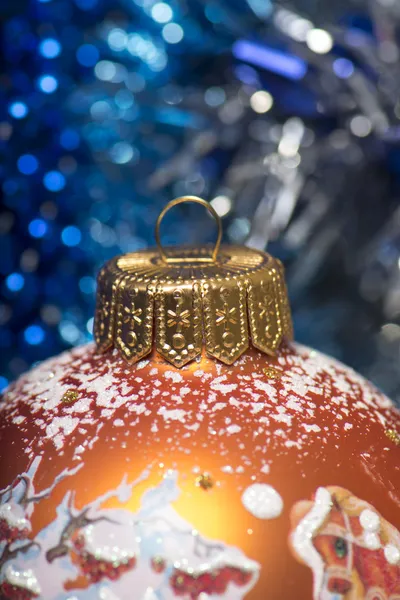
x=213, y=299
x=197, y=259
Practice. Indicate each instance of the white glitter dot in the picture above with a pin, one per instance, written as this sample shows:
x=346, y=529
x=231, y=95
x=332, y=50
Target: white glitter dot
x=174, y=376
x=370, y=521
x=392, y=554
x=233, y=429
x=371, y=540
x=227, y=469
x=262, y=501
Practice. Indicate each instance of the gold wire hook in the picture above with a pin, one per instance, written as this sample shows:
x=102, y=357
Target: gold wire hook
x=213, y=213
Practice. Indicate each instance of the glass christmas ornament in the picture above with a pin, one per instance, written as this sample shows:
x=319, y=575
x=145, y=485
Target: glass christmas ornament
x=196, y=452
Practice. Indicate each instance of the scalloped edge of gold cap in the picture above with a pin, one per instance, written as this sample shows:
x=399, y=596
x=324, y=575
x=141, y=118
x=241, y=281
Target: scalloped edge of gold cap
x=182, y=306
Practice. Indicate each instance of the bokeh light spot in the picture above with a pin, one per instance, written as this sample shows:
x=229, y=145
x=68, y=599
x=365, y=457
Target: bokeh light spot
x=105, y=70
x=319, y=41
x=37, y=228
x=162, y=12
x=27, y=164
x=101, y=110
x=69, y=332
x=3, y=383
x=87, y=55
x=124, y=99
x=89, y=325
x=222, y=205
x=215, y=96
x=71, y=236
x=360, y=126
x=262, y=8
x=15, y=282
x=121, y=153
x=87, y=285
x=48, y=84
x=261, y=101
x=117, y=39
x=172, y=33
x=54, y=181
x=18, y=110
x=34, y=335
x=343, y=67
x=49, y=48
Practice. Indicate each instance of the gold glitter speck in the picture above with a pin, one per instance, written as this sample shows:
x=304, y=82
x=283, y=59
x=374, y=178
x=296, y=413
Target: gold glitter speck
x=393, y=436
x=272, y=373
x=204, y=481
x=70, y=396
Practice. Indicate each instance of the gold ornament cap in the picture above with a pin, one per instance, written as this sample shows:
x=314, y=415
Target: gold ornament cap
x=182, y=299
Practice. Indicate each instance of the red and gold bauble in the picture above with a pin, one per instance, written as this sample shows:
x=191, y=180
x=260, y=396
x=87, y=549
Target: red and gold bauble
x=196, y=452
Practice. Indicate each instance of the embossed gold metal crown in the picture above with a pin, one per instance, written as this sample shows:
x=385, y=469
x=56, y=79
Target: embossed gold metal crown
x=187, y=298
